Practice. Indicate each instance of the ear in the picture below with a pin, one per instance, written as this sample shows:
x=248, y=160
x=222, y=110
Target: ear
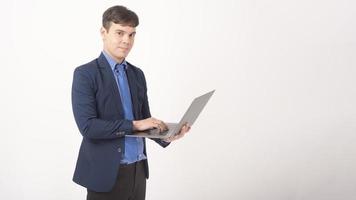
x=103, y=32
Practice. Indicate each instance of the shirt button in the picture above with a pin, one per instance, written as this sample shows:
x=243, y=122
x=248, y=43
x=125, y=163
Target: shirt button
x=119, y=150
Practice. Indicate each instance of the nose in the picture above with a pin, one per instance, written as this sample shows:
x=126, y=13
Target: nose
x=126, y=39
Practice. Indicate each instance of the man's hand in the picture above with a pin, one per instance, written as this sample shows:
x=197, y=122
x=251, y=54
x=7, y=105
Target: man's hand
x=149, y=123
x=181, y=133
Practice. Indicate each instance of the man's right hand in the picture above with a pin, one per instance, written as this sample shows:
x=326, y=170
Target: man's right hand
x=149, y=123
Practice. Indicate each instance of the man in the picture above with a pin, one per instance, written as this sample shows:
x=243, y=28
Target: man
x=109, y=99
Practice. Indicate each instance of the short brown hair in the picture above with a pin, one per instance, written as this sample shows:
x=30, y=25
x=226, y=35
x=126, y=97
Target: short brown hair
x=119, y=15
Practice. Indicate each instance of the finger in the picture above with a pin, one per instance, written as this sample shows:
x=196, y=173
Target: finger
x=178, y=136
x=169, y=139
x=157, y=122
x=158, y=127
x=161, y=128
x=181, y=135
x=184, y=129
x=155, y=125
x=164, y=125
x=187, y=128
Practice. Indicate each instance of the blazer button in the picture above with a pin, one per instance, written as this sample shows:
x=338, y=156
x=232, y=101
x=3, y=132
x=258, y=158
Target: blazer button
x=119, y=150
x=120, y=133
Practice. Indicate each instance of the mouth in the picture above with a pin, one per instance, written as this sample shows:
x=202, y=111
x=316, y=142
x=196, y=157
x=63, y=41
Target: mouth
x=124, y=49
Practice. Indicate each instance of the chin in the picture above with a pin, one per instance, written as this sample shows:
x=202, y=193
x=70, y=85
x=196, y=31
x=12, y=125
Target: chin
x=121, y=53
x=120, y=56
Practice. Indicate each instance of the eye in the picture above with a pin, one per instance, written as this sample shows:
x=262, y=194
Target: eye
x=120, y=33
x=132, y=35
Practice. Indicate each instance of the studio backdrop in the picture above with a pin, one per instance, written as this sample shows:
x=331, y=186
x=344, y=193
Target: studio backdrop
x=280, y=126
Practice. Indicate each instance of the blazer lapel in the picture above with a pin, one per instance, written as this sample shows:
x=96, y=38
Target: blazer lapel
x=108, y=77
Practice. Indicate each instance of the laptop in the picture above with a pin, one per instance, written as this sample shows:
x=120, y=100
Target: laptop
x=189, y=117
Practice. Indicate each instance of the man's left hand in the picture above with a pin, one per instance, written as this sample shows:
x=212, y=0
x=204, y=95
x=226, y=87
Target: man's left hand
x=181, y=133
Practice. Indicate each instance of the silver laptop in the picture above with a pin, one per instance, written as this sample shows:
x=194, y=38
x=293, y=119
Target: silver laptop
x=189, y=117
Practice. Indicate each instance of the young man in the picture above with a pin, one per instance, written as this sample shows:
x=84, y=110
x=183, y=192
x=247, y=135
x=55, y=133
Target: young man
x=109, y=99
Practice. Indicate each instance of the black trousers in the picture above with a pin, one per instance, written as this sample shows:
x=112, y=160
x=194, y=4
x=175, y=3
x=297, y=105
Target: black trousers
x=130, y=184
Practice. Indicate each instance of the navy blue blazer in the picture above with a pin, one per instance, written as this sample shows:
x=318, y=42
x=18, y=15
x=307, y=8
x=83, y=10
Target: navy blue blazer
x=99, y=115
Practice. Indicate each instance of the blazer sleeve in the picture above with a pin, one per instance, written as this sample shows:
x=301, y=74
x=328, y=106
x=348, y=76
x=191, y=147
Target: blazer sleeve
x=147, y=114
x=85, y=113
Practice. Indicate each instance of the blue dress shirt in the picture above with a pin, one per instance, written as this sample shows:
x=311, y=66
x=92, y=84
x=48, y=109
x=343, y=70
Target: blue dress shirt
x=133, y=146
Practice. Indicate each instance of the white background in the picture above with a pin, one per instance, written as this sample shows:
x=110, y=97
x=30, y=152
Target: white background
x=281, y=125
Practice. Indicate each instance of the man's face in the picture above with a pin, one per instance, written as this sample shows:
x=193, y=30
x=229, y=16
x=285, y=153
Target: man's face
x=118, y=40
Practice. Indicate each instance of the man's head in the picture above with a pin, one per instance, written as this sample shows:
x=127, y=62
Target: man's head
x=118, y=31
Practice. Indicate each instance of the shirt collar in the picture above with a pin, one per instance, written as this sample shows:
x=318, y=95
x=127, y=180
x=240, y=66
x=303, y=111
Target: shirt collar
x=113, y=63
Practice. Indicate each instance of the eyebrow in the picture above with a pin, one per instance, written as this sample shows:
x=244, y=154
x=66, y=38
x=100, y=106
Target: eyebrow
x=118, y=30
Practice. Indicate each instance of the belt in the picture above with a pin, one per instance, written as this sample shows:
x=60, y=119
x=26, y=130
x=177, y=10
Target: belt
x=130, y=164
